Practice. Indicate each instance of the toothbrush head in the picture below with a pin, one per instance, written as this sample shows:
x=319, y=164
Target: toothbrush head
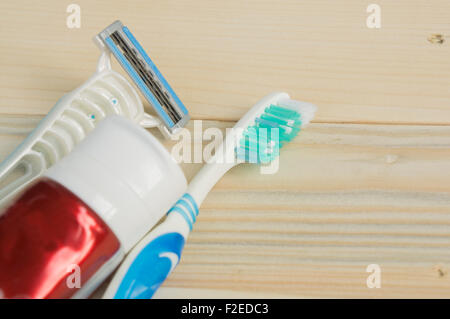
x=269, y=125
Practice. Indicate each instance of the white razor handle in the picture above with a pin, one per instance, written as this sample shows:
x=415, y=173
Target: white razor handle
x=69, y=121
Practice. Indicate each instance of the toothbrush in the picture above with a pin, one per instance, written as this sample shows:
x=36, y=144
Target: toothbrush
x=156, y=255
x=77, y=113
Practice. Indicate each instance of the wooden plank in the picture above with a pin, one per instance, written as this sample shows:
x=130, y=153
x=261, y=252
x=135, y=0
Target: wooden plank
x=345, y=196
x=222, y=56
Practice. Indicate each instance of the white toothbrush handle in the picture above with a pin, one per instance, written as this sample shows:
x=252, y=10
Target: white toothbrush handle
x=204, y=181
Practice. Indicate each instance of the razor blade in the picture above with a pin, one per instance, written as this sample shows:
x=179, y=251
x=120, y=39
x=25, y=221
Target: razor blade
x=153, y=86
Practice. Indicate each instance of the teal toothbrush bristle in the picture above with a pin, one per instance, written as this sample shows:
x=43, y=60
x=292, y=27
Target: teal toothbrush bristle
x=260, y=142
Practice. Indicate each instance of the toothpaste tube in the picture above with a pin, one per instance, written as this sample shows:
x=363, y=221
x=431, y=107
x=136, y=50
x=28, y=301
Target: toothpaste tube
x=66, y=232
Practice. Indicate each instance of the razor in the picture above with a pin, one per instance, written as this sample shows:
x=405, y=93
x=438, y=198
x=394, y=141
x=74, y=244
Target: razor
x=78, y=112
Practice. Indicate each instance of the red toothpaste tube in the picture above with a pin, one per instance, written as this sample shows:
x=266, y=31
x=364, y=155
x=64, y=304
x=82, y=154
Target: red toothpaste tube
x=68, y=231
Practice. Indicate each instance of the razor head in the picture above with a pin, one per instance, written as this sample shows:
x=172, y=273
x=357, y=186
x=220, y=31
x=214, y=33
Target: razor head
x=130, y=54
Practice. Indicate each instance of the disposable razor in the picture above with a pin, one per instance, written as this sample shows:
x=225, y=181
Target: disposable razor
x=77, y=113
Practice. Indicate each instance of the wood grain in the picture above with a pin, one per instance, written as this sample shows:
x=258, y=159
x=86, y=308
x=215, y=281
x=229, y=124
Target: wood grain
x=222, y=56
x=345, y=196
x=367, y=183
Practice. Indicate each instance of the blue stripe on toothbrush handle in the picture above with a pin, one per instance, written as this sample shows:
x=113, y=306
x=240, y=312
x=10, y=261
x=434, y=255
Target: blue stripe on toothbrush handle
x=182, y=212
x=151, y=267
x=187, y=208
x=192, y=201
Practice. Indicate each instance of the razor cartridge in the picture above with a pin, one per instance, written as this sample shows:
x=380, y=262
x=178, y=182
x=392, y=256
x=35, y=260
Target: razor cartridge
x=154, y=87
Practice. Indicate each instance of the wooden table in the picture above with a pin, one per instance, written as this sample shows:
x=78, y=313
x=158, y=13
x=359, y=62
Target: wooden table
x=367, y=183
